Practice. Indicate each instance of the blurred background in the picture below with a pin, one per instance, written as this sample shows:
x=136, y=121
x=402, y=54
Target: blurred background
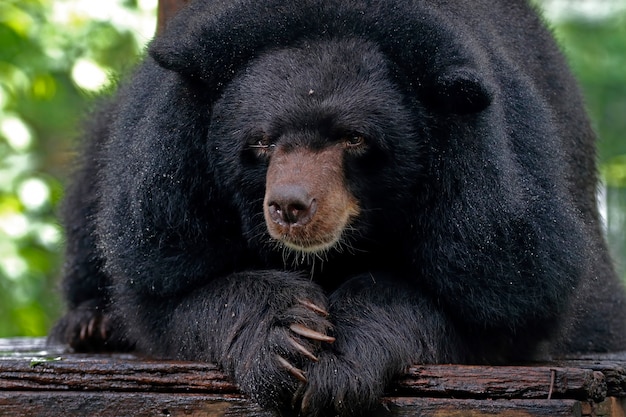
x=56, y=56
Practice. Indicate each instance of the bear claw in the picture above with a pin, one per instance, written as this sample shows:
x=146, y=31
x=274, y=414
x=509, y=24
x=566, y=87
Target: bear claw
x=298, y=373
x=314, y=307
x=303, y=350
x=311, y=334
x=97, y=327
x=88, y=330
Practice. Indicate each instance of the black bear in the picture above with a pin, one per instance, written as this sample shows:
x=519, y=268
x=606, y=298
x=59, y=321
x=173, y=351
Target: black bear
x=316, y=194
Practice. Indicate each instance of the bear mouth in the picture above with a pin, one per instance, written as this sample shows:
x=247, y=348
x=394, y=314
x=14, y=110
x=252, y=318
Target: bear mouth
x=316, y=237
x=308, y=246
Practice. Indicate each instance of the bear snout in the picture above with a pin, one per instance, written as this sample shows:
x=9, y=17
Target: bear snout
x=307, y=205
x=291, y=205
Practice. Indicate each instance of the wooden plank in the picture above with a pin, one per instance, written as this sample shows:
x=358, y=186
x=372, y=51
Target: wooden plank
x=28, y=364
x=612, y=366
x=462, y=381
x=107, y=404
x=111, y=373
x=46, y=371
x=32, y=365
x=611, y=407
x=445, y=407
x=39, y=380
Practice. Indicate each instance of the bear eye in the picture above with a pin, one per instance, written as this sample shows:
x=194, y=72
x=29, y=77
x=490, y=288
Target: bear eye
x=262, y=144
x=354, y=141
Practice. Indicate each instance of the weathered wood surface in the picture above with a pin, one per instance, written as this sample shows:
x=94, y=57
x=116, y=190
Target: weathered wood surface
x=612, y=366
x=441, y=407
x=107, y=404
x=521, y=382
x=36, y=380
x=30, y=365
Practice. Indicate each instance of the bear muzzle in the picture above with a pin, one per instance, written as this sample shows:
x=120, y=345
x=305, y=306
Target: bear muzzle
x=307, y=206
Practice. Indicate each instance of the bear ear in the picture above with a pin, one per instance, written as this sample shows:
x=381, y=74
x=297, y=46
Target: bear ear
x=460, y=91
x=202, y=41
x=176, y=48
x=172, y=58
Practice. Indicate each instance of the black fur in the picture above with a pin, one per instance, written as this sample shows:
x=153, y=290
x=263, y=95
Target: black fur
x=477, y=239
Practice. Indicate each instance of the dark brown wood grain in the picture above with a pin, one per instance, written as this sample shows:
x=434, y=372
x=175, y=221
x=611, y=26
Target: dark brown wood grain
x=445, y=407
x=107, y=404
x=50, y=369
x=39, y=380
x=462, y=381
x=613, y=367
x=48, y=404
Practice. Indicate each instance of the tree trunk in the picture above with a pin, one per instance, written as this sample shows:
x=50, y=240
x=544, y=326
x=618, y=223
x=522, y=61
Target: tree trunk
x=167, y=9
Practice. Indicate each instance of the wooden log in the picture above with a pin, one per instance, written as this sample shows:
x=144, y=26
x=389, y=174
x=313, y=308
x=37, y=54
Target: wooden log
x=613, y=367
x=38, y=380
x=445, y=407
x=48, y=371
x=28, y=364
x=111, y=373
x=49, y=404
x=611, y=407
x=462, y=381
x=107, y=404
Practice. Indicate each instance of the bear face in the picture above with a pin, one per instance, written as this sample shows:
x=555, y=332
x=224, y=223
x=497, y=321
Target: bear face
x=309, y=133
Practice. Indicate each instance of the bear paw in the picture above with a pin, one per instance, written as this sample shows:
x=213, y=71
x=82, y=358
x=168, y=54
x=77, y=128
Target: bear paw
x=295, y=340
x=272, y=370
x=89, y=328
x=336, y=386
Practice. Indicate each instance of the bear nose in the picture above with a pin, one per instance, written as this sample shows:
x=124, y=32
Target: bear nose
x=291, y=205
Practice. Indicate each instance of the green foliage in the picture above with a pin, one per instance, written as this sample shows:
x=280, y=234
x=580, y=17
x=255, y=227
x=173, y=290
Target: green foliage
x=596, y=48
x=52, y=59
x=597, y=52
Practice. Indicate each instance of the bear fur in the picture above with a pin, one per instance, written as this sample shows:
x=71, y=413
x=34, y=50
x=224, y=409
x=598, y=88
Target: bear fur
x=315, y=195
